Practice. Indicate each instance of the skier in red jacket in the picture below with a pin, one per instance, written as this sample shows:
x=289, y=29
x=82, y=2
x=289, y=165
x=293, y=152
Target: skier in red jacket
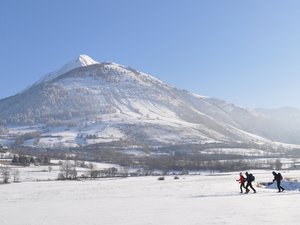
x=242, y=181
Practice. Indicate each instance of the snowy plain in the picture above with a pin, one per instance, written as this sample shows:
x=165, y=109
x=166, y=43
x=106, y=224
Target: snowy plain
x=190, y=200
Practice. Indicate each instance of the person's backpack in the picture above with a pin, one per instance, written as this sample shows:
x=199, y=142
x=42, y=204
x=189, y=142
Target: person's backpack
x=280, y=176
x=251, y=177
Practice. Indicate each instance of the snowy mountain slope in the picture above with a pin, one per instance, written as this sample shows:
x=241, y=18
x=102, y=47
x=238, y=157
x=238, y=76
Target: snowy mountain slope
x=284, y=124
x=87, y=102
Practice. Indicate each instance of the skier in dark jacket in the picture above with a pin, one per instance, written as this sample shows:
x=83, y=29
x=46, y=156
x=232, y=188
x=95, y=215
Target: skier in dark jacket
x=249, y=178
x=242, y=181
x=278, y=178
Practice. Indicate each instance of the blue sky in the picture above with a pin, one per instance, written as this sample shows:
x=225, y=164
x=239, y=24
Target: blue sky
x=245, y=52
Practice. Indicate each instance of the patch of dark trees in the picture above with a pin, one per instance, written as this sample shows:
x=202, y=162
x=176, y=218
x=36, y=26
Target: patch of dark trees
x=24, y=160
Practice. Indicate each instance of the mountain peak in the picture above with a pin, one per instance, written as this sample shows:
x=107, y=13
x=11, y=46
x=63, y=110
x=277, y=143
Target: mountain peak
x=85, y=60
x=81, y=61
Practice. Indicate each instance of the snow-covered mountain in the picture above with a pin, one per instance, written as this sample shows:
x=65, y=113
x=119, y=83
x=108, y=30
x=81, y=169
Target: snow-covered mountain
x=87, y=102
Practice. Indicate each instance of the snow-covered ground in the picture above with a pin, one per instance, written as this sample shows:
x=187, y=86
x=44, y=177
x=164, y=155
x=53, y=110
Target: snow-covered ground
x=50, y=173
x=191, y=200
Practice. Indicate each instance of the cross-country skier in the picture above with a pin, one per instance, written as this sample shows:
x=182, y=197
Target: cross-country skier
x=242, y=181
x=249, y=178
x=278, y=178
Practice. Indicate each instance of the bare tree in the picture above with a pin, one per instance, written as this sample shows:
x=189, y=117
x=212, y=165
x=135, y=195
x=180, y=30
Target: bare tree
x=112, y=171
x=278, y=164
x=67, y=170
x=124, y=171
x=73, y=173
x=93, y=172
x=91, y=166
x=16, y=175
x=5, y=174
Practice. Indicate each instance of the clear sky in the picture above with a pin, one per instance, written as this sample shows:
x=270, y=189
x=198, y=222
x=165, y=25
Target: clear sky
x=245, y=52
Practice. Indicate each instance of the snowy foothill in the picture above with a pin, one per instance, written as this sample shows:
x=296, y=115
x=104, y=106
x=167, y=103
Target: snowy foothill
x=191, y=200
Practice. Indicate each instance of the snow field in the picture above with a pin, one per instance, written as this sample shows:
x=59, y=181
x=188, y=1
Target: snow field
x=50, y=173
x=191, y=200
